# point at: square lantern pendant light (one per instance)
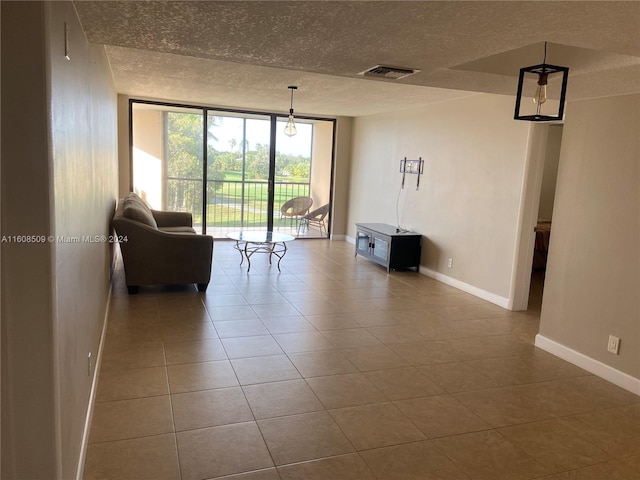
(541, 92)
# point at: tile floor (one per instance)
(335, 370)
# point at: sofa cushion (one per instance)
(135, 209)
(177, 230)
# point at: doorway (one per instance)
(536, 212)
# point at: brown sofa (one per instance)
(160, 248)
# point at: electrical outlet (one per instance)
(450, 263)
(614, 345)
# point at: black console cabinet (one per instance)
(383, 244)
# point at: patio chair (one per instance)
(315, 218)
(295, 209)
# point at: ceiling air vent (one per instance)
(385, 71)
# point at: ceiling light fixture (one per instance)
(290, 128)
(545, 77)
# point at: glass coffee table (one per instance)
(248, 243)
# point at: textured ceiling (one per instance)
(245, 53)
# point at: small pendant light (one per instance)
(541, 74)
(290, 128)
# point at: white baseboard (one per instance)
(589, 364)
(349, 239)
(465, 287)
(94, 387)
(338, 237)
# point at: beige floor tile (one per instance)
(124, 419)
(342, 467)
(352, 337)
(348, 390)
(445, 296)
(396, 333)
(322, 363)
(474, 348)
(132, 356)
(352, 304)
(624, 469)
(182, 316)
(268, 298)
(489, 456)
(134, 383)
(298, 292)
(479, 353)
(555, 446)
(457, 377)
(396, 303)
(419, 460)
(276, 399)
(471, 311)
(558, 398)
(224, 300)
(191, 377)
(210, 408)
(137, 334)
(501, 407)
(401, 383)
(525, 369)
(374, 319)
(220, 286)
(217, 451)
(601, 392)
(441, 416)
(425, 353)
(433, 330)
(333, 321)
(295, 324)
(175, 330)
(240, 328)
(265, 474)
(242, 347)
(616, 430)
(264, 369)
(146, 458)
(231, 312)
(303, 342)
(303, 437)
(194, 351)
(376, 357)
(374, 426)
(276, 310)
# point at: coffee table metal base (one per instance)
(250, 243)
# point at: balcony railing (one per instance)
(230, 204)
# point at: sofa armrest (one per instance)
(172, 219)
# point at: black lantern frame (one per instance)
(549, 71)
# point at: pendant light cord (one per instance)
(291, 106)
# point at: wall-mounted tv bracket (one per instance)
(415, 167)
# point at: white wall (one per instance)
(59, 176)
(468, 203)
(592, 286)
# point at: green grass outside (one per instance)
(223, 208)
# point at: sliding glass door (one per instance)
(232, 170)
(238, 171)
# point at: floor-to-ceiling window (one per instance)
(233, 170)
